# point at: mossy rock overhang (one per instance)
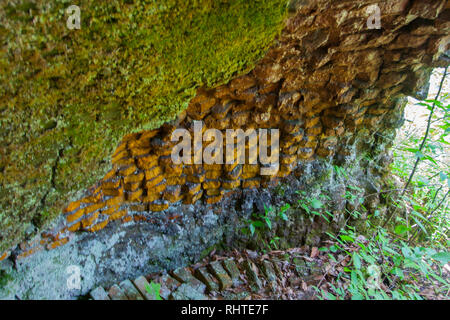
(68, 96)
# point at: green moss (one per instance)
(68, 96)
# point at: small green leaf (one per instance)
(316, 204)
(401, 229)
(443, 257)
(356, 261)
(347, 238)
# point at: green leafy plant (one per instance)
(154, 289)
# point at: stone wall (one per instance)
(330, 84)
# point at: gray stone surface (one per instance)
(252, 271)
(117, 293)
(203, 274)
(99, 294)
(130, 290)
(142, 284)
(168, 285)
(233, 270)
(185, 276)
(220, 273)
(187, 292)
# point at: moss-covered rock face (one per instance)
(68, 96)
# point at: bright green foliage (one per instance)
(383, 268)
(261, 224)
(427, 217)
(154, 289)
(68, 96)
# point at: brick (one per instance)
(220, 111)
(305, 153)
(94, 207)
(250, 173)
(127, 219)
(57, 243)
(203, 275)
(147, 162)
(185, 276)
(110, 210)
(147, 135)
(134, 196)
(171, 181)
(288, 159)
(138, 177)
(72, 206)
(114, 201)
(242, 83)
(89, 220)
(173, 170)
(124, 162)
(267, 269)
(138, 208)
(99, 294)
(213, 174)
(130, 290)
(136, 152)
(325, 152)
(127, 171)
(198, 178)
(314, 131)
(233, 271)
(231, 184)
(220, 273)
(111, 192)
(117, 215)
(172, 194)
(74, 227)
(187, 292)
(74, 216)
(151, 197)
(111, 184)
(117, 293)
(160, 187)
(235, 173)
(152, 173)
(139, 218)
(153, 182)
(222, 92)
(212, 199)
(251, 183)
(190, 199)
(285, 170)
(292, 150)
(193, 169)
(211, 184)
(99, 226)
(121, 147)
(213, 167)
(141, 285)
(158, 206)
(168, 284)
(252, 274)
(120, 155)
(192, 188)
(214, 192)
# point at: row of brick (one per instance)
(203, 283)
